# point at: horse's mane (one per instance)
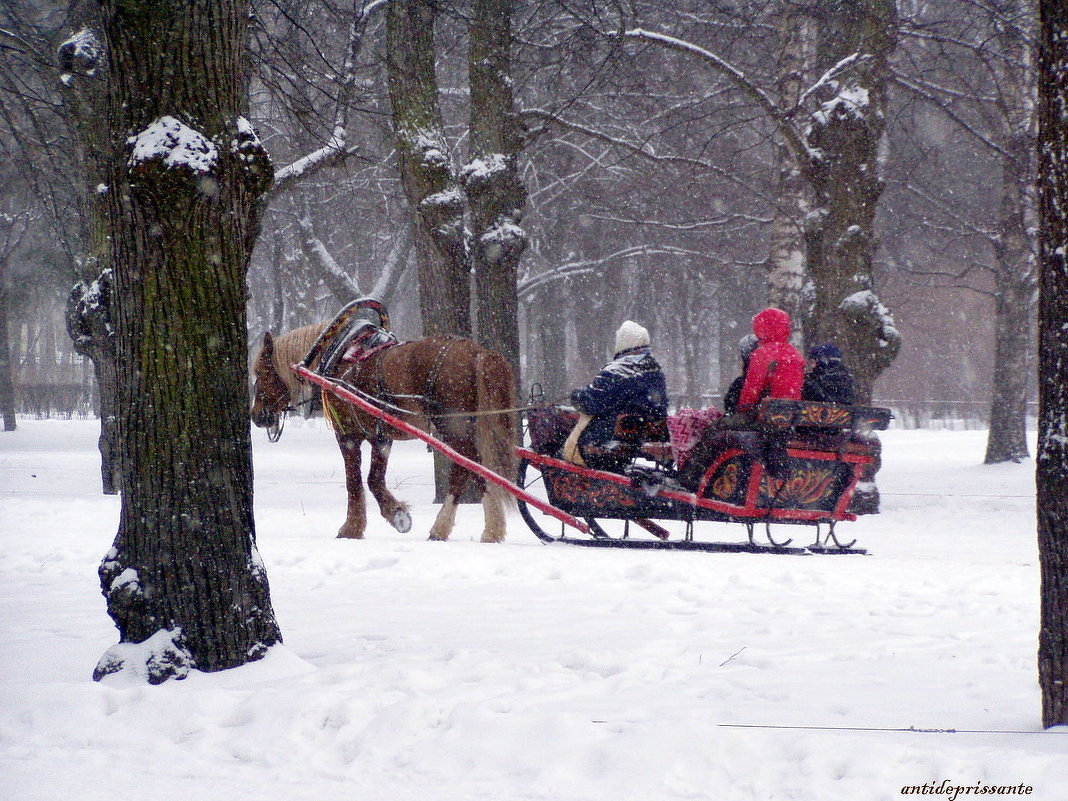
(289, 348)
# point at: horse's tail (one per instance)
(495, 434)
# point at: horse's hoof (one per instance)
(402, 521)
(343, 535)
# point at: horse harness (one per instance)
(367, 344)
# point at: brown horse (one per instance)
(429, 382)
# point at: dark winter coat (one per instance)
(830, 382)
(734, 392)
(632, 383)
(776, 369)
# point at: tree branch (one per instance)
(791, 135)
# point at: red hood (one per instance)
(772, 325)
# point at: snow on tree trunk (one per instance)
(183, 581)
(495, 193)
(1051, 474)
(426, 171)
(90, 329)
(846, 135)
(84, 67)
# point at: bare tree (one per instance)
(838, 153)
(13, 225)
(53, 80)
(1052, 463)
(845, 135)
(427, 173)
(494, 192)
(185, 185)
(975, 69)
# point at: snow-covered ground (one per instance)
(415, 670)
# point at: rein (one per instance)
(385, 404)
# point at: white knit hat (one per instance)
(631, 335)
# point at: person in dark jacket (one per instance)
(746, 346)
(632, 383)
(829, 380)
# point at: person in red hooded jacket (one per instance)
(776, 369)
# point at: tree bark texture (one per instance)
(1014, 248)
(84, 64)
(1014, 320)
(187, 174)
(495, 193)
(429, 180)
(786, 278)
(845, 135)
(90, 329)
(1052, 462)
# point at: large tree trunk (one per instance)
(847, 133)
(1052, 463)
(84, 65)
(1014, 326)
(1014, 249)
(426, 171)
(183, 579)
(430, 184)
(491, 180)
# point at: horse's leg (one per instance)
(493, 512)
(443, 523)
(493, 509)
(395, 511)
(356, 514)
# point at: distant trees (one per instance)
(52, 79)
(334, 227)
(660, 185)
(12, 229)
(969, 77)
(1052, 463)
(185, 180)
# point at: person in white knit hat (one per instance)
(632, 383)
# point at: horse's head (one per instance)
(270, 393)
